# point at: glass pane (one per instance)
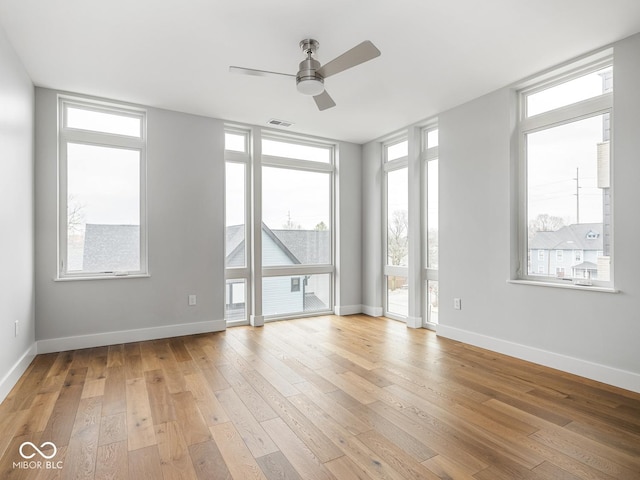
(290, 295)
(296, 214)
(569, 200)
(432, 138)
(397, 295)
(432, 301)
(235, 215)
(397, 150)
(235, 142)
(103, 209)
(397, 217)
(432, 214)
(103, 122)
(576, 90)
(277, 148)
(235, 307)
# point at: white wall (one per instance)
(349, 229)
(589, 333)
(185, 205)
(16, 217)
(372, 229)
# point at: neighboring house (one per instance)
(113, 248)
(285, 294)
(573, 251)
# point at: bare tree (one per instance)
(397, 237)
(545, 223)
(321, 227)
(75, 215)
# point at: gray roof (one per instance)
(111, 248)
(582, 236)
(302, 246)
(586, 266)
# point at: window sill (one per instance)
(587, 288)
(101, 277)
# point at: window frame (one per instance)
(244, 272)
(430, 274)
(564, 115)
(396, 164)
(305, 166)
(67, 135)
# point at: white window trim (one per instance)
(429, 274)
(75, 135)
(560, 116)
(241, 273)
(308, 166)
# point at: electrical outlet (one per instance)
(192, 300)
(17, 327)
(457, 304)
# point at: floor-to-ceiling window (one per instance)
(396, 231)
(279, 214)
(297, 227)
(238, 238)
(429, 155)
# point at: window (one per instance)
(577, 256)
(540, 254)
(565, 129)
(297, 226)
(430, 163)
(102, 210)
(237, 239)
(397, 228)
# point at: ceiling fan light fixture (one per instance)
(310, 86)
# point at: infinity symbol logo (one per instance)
(42, 454)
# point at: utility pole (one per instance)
(577, 195)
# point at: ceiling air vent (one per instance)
(279, 123)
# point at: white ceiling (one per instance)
(175, 54)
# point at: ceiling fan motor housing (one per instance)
(307, 80)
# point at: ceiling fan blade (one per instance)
(361, 53)
(257, 73)
(324, 101)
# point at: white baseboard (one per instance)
(127, 336)
(414, 322)
(256, 320)
(584, 368)
(13, 375)
(347, 309)
(372, 311)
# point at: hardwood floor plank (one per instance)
(192, 424)
(208, 404)
(256, 439)
(343, 467)
(80, 458)
(237, 456)
(275, 466)
(60, 424)
(144, 463)
(208, 462)
(113, 428)
(112, 462)
(174, 454)
(160, 401)
(114, 391)
(140, 432)
(306, 463)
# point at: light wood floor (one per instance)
(320, 398)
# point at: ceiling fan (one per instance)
(311, 75)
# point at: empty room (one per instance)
(320, 240)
